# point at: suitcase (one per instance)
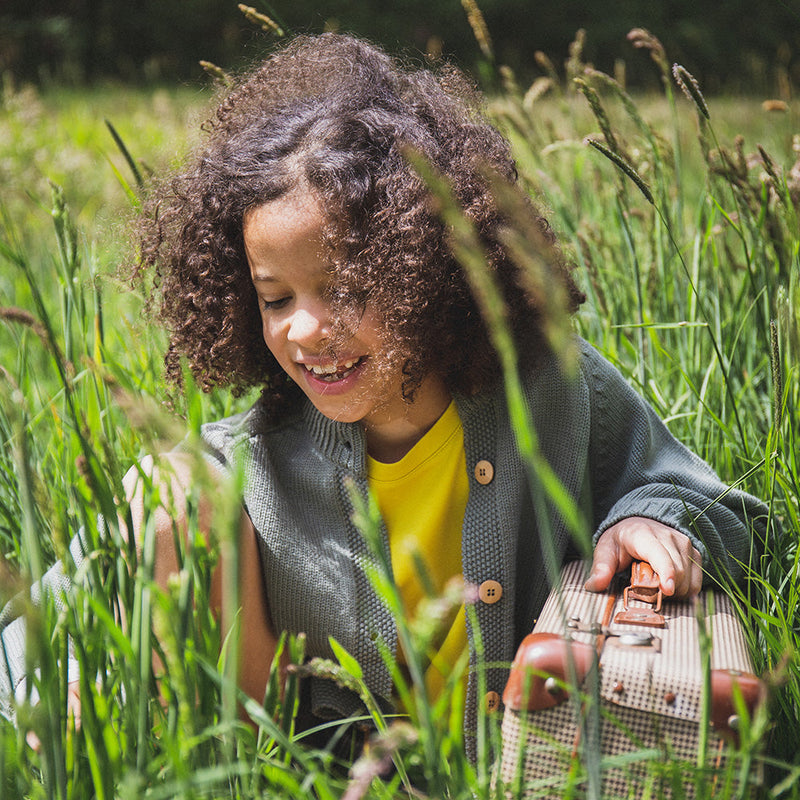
(650, 681)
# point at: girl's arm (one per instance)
(258, 642)
(653, 498)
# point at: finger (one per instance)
(678, 564)
(678, 552)
(640, 543)
(695, 574)
(686, 562)
(605, 562)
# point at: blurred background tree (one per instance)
(735, 45)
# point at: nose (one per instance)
(308, 326)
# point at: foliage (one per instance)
(684, 228)
(734, 45)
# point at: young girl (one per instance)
(301, 253)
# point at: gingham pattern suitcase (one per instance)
(650, 680)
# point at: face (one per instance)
(354, 380)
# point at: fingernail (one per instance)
(669, 586)
(595, 579)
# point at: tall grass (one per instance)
(689, 251)
(686, 240)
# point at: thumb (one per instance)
(603, 570)
(605, 562)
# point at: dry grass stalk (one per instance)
(267, 24)
(479, 28)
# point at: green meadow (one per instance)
(682, 215)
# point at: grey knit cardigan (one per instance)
(609, 449)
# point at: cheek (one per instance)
(270, 336)
(370, 330)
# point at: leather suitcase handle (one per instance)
(643, 574)
(645, 585)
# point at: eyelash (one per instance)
(272, 305)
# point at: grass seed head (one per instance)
(543, 60)
(691, 88)
(510, 84)
(575, 64)
(777, 374)
(267, 24)
(479, 28)
(599, 112)
(25, 318)
(537, 89)
(772, 175)
(216, 72)
(624, 166)
(642, 39)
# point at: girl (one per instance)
(301, 253)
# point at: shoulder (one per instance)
(608, 386)
(569, 372)
(594, 366)
(578, 387)
(226, 437)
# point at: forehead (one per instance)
(294, 216)
(284, 240)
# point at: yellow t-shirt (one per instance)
(422, 499)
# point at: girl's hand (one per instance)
(669, 552)
(73, 710)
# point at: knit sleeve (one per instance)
(640, 469)
(224, 439)
(56, 585)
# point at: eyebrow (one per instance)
(264, 279)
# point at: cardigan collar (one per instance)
(345, 443)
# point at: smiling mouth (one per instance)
(335, 372)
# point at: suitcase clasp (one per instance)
(645, 586)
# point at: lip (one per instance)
(319, 386)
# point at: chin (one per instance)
(347, 415)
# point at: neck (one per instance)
(391, 438)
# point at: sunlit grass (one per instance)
(683, 293)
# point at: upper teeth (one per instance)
(332, 368)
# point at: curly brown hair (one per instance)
(337, 114)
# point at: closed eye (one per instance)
(273, 305)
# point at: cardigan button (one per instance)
(490, 592)
(491, 701)
(484, 472)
